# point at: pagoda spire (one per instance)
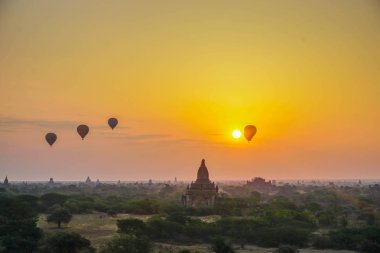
(203, 172)
(6, 182)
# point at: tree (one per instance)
(128, 243)
(18, 226)
(370, 247)
(67, 243)
(131, 226)
(59, 216)
(50, 199)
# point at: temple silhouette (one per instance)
(6, 182)
(202, 191)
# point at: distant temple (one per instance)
(260, 184)
(6, 183)
(202, 191)
(88, 180)
(51, 181)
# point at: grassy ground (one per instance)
(99, 228)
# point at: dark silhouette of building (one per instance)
(6, 182)
(88, 180)
(202, 191)
(259, 184)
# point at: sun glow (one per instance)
(236, 134)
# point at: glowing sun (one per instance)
(236, 134)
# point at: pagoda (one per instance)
(6, 182)
(202, 191)
(88, 180)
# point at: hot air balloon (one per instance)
(249, 132)
(112, 122)
(51, 138)
(83, 130)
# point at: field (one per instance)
(99, 228)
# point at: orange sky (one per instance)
(180, 76)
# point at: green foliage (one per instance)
(352, 238)
(343, 221)
(184, 251)
(59, 216)
(131, 226)
(370, 247)
(79, 205)
(18, 226)
(49, 199)
(66, 243)
(287, 249)
(222, 245)
(179, 228)
(327, 219)
(127, 243)
(322, 242)
(274, 236)
(144, 206)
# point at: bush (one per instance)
(127, 243)
(67, 243)
(272, 237)
(222, 245)
(287, 249)
(18, 226)
(370, 247)
(131, 226)
(322, 242)
(184, 251)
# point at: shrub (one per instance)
(287, 249)
(128, 243)
(67, 243)
(322, 242)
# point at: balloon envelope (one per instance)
(51, 138)
(249, 132)
(112, 122)
(83, 130)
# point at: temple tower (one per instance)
(6, 182)
(202, 191)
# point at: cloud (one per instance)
(147, 136)
(11, 124)
(215, 134)
(7, 123)
(135, 137)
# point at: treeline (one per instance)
(19, 232)
(350, 218)
(179, 228)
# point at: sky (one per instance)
(180, 76)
